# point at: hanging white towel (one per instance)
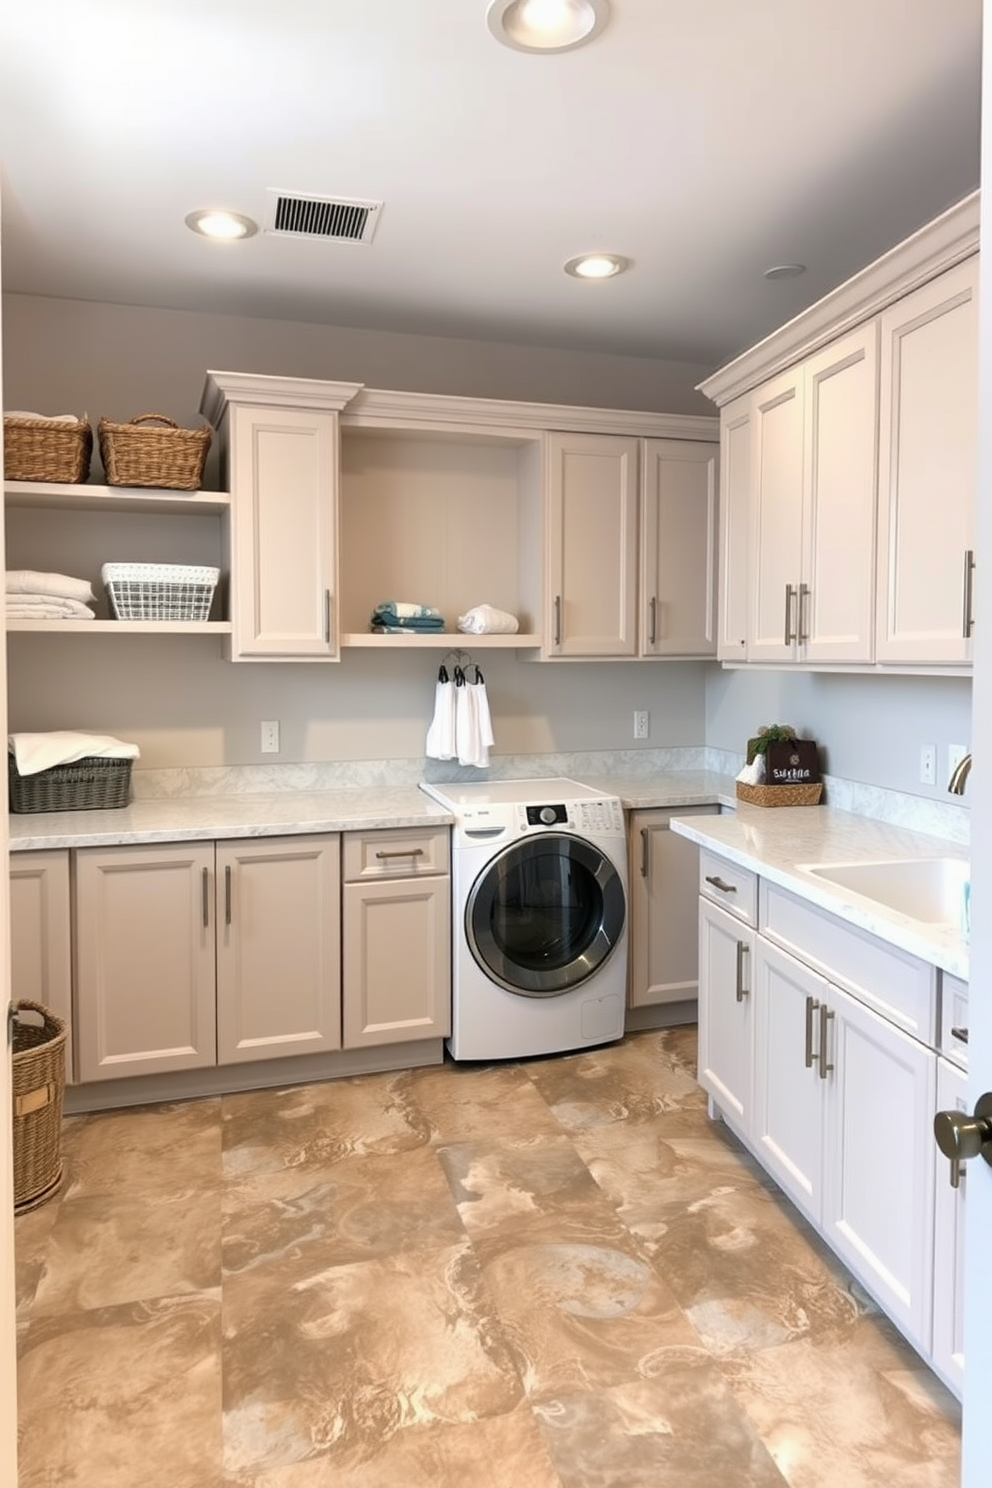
(473, 725)
(487, 620)
(441, 733)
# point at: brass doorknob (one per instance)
(960, 1137)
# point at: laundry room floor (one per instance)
(555, 1273)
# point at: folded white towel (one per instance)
(754, 773)
(41, 607)
(61, 586)
(485, 619)
(34, 752)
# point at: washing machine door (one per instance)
(545, 914)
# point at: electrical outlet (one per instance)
(955, 754)
(928, 764)
(270, 737)
(642, 725)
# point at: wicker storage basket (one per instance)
(90, 784)
(46, 449)
(38, 1069)
(780, 795)
(159, 591)
(152, 450)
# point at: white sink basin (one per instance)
(923, 888)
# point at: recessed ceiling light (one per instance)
(785, 271)
(223, 225)
(546, 25)
(596, 265)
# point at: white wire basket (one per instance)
(159, 591)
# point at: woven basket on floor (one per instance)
(46, 449)
(152, 450)
(780, 795)
(38, 1088)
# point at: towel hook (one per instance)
(459, 658)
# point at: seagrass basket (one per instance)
(152, 450)
(38, 1067)
(47, 449)
(780, 795)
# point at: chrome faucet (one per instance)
(959, 775)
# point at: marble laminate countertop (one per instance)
(780, 843)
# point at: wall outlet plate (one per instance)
(928, 764)
(955, 754)
(642, 724)
(270, 737)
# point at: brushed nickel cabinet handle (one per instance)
(402, 852)
(227, 895)
(718, 883)
(968, 623)
(653, 622)
(205, 883)
(644, 852)
(327, 616)
(790, 594)
(961, 1034)
(804, 594)
(742, 950)
(826, 1015)
(811, 1006)
(557, 619)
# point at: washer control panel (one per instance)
(595, 818)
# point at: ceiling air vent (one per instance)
(335, 219)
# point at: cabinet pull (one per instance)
(718, 883)
(327, 616)
(227, 895)
(644, 852)
(811, 1006)
(961, 1034)
(826, 1067)
(557, 619)
(205, 884)
(402, 852)
(742, 950)
(968, 619)
(790, 594)
(804, 594)
(653, 622)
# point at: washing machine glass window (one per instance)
(545, 914)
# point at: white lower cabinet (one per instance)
(837, 1100)
(948, 1241)
(662, 874)
(40, 954)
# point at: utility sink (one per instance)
(922, 888)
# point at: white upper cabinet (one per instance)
(927, 471)
(678, 548)
(813, 520)
(735, 515)
(591, 545)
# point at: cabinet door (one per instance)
(735, 518)
(880, 1159)
(284, 466)
(776, 519)
(726, 1035)
(837, 584)
(592, 545)
(397, 961)
(927, 470)
(789, 1084)
(948, 1245)
(144, 940)
(40, 954)
(278, 947)
(664, 943)
(678, 548)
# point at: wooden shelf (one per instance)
(55, 496)
(122, 627)
(444, 640)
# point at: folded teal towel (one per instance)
(390, 611)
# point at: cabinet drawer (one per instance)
(898, 986)
(727, 884)
(395, 854)
(954, 1019)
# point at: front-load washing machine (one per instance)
(539, 917)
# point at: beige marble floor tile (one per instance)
(162, 1151)
(318, 1125)
(496, 1452)
(359, 1208)
(122, 1396)
(461, 1102)
(638, 1079)
(334, 1362)
(107, 1250)
(31, 1235)
(678, 1427)
(861, 1411)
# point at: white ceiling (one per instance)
(703, 139)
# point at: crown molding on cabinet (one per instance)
(256, 390)
(379, 408)
(939, 245)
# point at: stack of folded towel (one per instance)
(47, 596)
(36, 752)
(397, 617)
